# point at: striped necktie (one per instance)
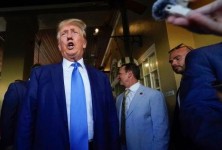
(123, 118)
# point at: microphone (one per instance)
(162, 8)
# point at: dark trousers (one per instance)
(90, 145)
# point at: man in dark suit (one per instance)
(177, 57)
(11, 106)
(142, 113)
(44, 122)
(201, 109)
(9, 114)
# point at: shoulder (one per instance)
(95, 72)
(150, 93)
(209, 49)
(19, 83)
(48, 66)
(151, 96)
(45, 69)
(206, 56)
(148, 89)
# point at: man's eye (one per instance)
(63, 34)
(177, 58)
(75, 32)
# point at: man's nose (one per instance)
(173, 63)
(69, 35)
(69, 38)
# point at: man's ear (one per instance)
(59, 47)
(85, 43)
(130, 74)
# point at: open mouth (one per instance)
(70, 45)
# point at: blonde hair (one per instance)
(77, 22)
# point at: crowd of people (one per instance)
(38, 114)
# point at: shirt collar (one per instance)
(134, 87)
(66, 63)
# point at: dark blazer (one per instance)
(43, 122)
(201, 110)
(9, 114)
(177, 141)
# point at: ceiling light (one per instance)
(96, 31)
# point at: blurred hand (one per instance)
(204, 20)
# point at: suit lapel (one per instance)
(137, 97)
(58, 83)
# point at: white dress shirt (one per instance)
(67, 75)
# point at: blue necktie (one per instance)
(78, 115)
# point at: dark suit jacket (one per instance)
(43, 123)
(9, 114)
(177, 141)
(201, 110)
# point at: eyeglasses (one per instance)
(180, 46)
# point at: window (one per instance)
(149, 74)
